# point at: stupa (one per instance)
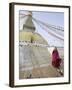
(34, 59)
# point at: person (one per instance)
(29, 76)
(56, 60)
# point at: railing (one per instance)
(23, 43)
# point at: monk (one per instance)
(56, 60)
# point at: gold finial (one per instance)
(30, 13)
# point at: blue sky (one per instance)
(55, 18)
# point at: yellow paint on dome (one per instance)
(25, 36)
(32, 37)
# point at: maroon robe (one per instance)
(56, 60)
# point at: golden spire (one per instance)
(30, 13)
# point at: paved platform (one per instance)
(42, 72)
(35, 62)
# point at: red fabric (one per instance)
(56, 60)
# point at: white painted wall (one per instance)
(4, 44)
